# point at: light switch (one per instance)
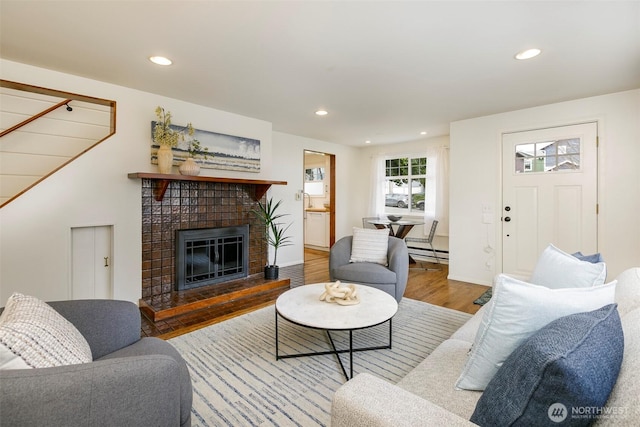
(487, 218)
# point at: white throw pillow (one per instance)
(370, 245)
(9, 360)
(557, 269)
(39, 335)
(515, 312)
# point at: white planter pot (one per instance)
(165, 159)
(189, 167)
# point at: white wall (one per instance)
(288, 157)
(35, 229)
(475, 149)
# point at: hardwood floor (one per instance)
(434, 287)
(426, 284)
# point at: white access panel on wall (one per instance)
(91, 262)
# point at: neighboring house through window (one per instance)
(548, 156)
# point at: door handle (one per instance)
(106, 261)
(507, 219)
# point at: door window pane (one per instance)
(548, 156)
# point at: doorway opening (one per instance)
(318, 200)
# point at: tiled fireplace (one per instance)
(192, 205)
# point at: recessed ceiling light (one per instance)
(160, 60)
(367, 142)
(321, 113)
(423, 133)
(528, 54)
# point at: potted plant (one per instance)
(167, 137)
(274, 233)
(195, 149)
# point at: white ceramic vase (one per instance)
(165, 159)
(189, 167)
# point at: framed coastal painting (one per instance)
(218, 150)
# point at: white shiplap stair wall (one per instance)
(34, 151)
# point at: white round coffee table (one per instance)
(302, 306)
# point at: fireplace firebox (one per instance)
(207, 256)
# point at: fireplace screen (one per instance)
(211, 255)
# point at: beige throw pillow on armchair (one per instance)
(370, 245)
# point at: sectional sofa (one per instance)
(428, 394)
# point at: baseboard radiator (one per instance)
(425, 254)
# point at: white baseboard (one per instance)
(469, 280)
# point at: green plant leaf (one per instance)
(274, 230)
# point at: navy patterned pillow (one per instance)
(562, 373)
(592, 258)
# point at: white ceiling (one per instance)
(385, 70)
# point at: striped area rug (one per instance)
(238, 382)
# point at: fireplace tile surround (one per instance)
(189, 205)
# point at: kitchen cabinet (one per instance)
(316, 232)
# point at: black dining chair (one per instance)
(366, 223)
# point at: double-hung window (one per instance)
(405, 184)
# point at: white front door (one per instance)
(549, 193)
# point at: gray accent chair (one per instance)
(131, 381)
(392, 279)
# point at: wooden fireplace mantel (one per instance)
(161, 182)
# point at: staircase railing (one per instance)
(67, 98)
(35, 117)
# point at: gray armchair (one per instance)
(132, 381)
(392, 279)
